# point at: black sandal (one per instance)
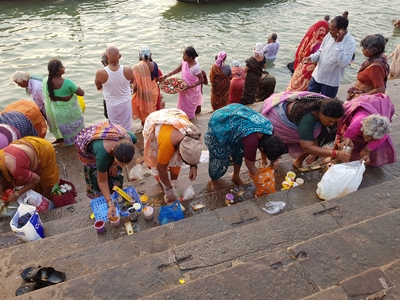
(48, 275)
(31, 286)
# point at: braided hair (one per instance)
(53, 67)
(329, 107)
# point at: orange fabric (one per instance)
(144, 100)
(165, 148)
(32, 112)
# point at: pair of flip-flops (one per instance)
(40, 277)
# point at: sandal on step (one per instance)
(31, 286)
(302, 169)
(47, 275)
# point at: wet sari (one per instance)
(236, 85)
(220, 85)
(251, 81)
(308, 45)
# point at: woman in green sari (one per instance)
(64, 114)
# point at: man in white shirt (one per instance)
(115, 81)
(272, 47)
(333, 57)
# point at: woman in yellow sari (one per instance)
(29, 162)
(144, 99)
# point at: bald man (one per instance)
(115, 81)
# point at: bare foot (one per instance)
(237, 180)
(215, 185)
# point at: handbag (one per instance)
(170, 213)
(66, 198)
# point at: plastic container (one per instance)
(148, 212)
(100, 226)
(144, 199)
(291, 175)
(132, 214)
(138, 207)
(115, 221)
(229, 199)
(348, 149)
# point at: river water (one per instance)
(77, 31)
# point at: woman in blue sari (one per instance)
(238, 131)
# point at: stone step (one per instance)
(214, 247)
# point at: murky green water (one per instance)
(32, 32)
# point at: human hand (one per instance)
(343, 155)
(169, 195)
(274, 165)
(113, 170)
(162, 78)
(340, 35)
(112, 210)
(365, 155)
(193, 173)
(306, 60)
(346, 142)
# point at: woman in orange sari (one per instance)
(144, 99)
(220, 77)
(308, 45)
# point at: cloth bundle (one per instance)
(264, 181)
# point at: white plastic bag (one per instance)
(33, 229)
(183, 189)
(273, 207)
(340, 180)
(139, 172)
(37, 200)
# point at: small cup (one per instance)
(115, 220)
(144, 199)
(287, 185)
(291, 175)
(300, 181)
(229, 199)
(148, 212)
(99, 225)
(137, 207)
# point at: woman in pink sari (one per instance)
(365, 127)
(309, 44)
(191, 97)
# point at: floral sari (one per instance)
(220, 85)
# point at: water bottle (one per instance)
(348, 149)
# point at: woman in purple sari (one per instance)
(365, 127)
(191, 97)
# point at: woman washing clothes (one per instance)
(365, 128)
(146, 91)
(170, 140)
(297, 118)
(253, 70)
(64, 114)
(236, 131)
(373, 73)
(220, 78)
(29, 162)
(103, 149)
(191, 97)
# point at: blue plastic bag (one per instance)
(170, 213)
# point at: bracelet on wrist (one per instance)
(334, 153)
(109, 203)
(168, 188)
(193, 166)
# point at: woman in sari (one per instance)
(309, 44)
(220, 78)
(373, 73)
(297, 118)
(191, 97)
(64, 114)
(365, 127)
(103, 149)
(238, 131)
(266, 87)
(146, 91)
(29, 162)
(24, 114)
(170, 140)
(253, 70)
(237, 83)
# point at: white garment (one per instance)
(117, 93)
(333, 58)
(271, 50)
(35, 89)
